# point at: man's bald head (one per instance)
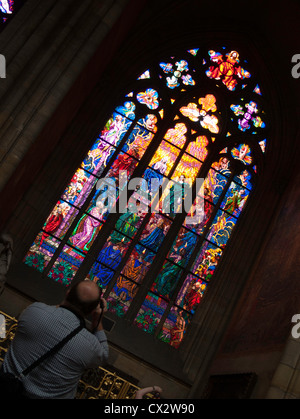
(84, 296)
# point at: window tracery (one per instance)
(197, 115)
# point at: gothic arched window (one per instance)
(136, 217)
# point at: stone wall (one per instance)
(55, 64)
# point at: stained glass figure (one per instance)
(121, 296)
(6, 6)
(175, 327)
(191, 294)
(88, 227)
(226, 69)
(7, 9)
(206, 262)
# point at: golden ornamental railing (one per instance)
(98, 383)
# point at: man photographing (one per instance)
(41, 327)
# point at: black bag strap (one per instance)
(56, 348)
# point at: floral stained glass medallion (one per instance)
(195, 115)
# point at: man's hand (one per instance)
(97, 315)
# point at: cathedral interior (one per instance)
(205, 314)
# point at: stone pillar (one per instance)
(285, 383)
(6, 252)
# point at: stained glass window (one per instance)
(196, 116)
(8, 8)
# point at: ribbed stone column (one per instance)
(286, 380)
(46, 46)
